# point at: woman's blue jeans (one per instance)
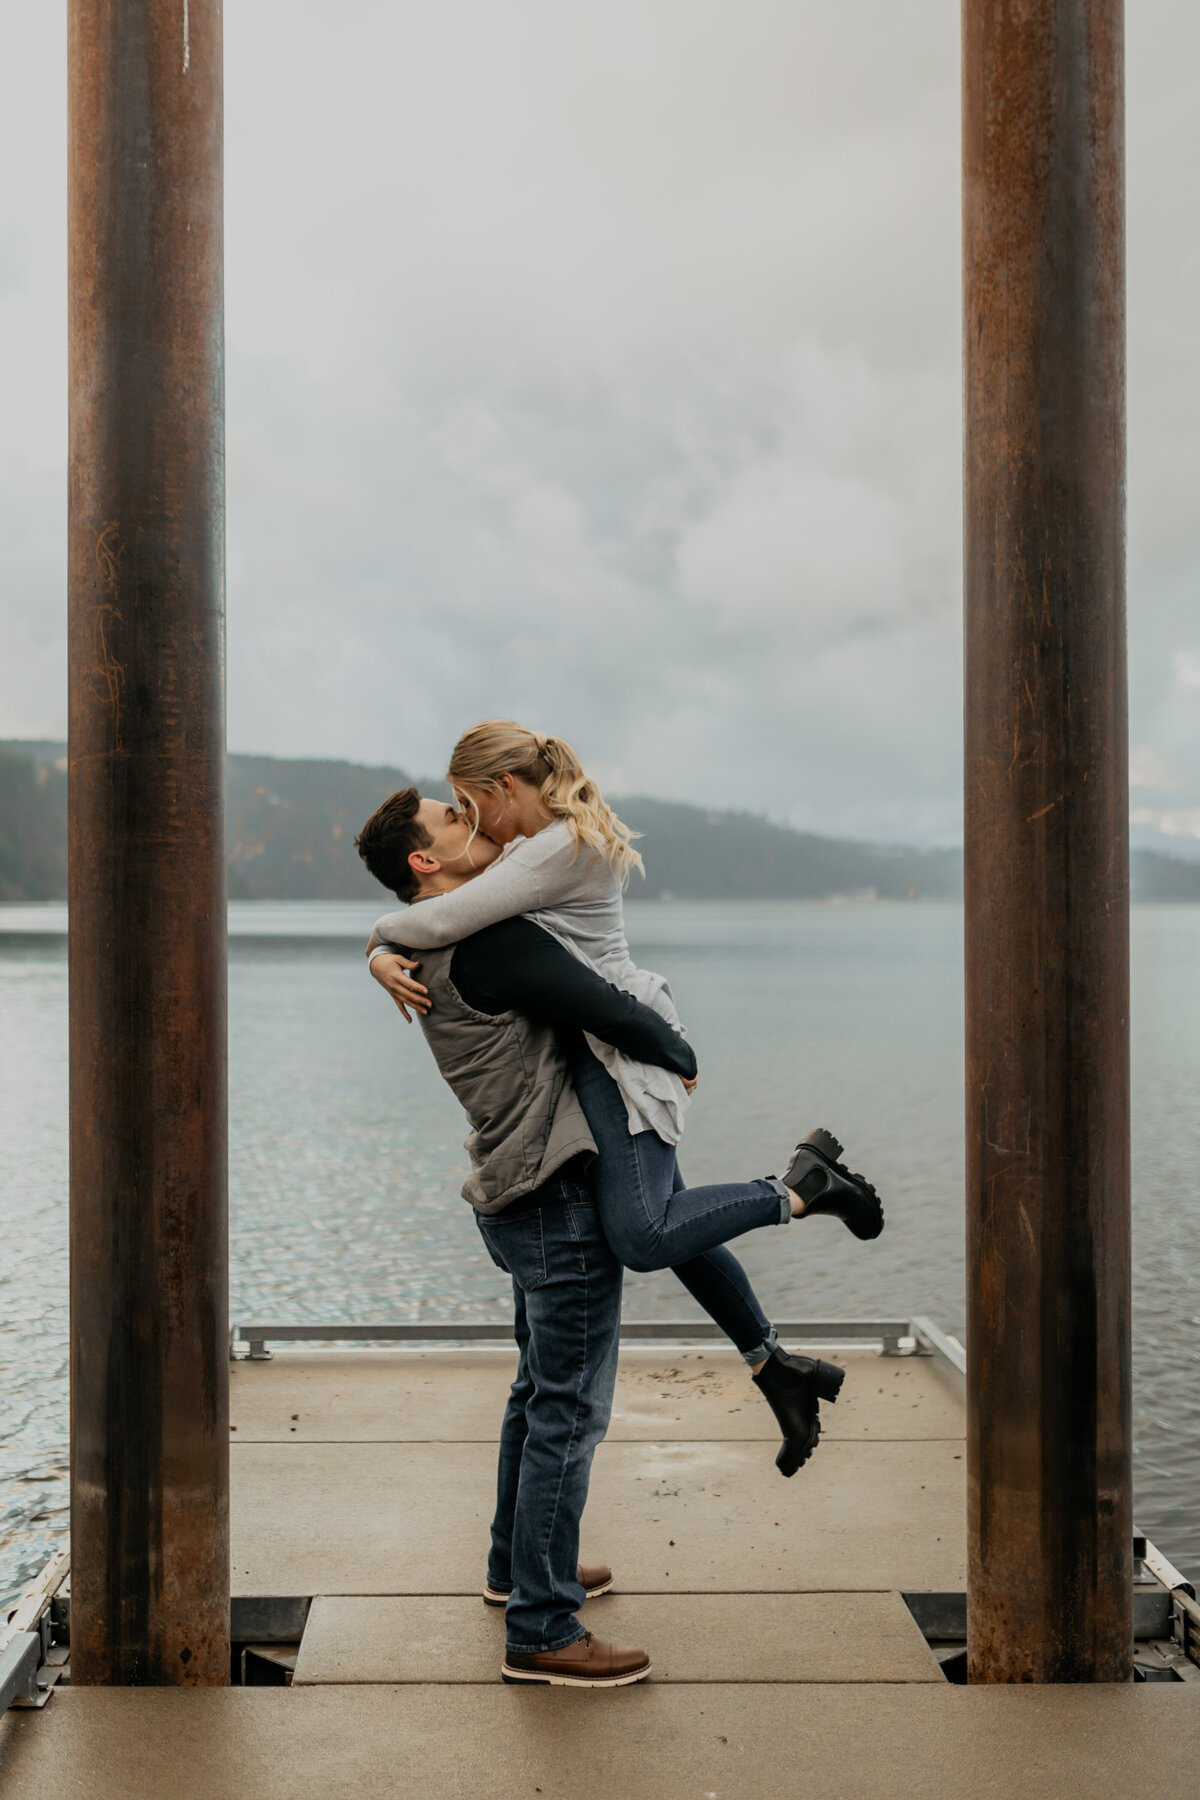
(653, 1221)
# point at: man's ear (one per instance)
(422, 863)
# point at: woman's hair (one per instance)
(499, 747)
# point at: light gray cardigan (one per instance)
(577, 898)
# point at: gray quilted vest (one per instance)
(511, 1077)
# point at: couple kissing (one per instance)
(574, 1072)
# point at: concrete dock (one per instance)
(786, 1660)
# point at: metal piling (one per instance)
(1047, 884)
(149, 1372)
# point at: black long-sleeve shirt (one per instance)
(515, 966)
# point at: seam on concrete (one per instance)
(303, 1443)
(624, 1593)
(717, 1681)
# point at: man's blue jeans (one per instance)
(653, 1221)
(567, 1289)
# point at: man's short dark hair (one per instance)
(388, 839)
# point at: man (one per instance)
(503, 1006)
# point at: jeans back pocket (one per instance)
(516, 1246)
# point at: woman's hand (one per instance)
(389, 972)
(689, 1086)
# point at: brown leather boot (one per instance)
(588, 1663)
(594, 1578)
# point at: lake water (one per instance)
(346, 1155)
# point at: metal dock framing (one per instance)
(787, 1620)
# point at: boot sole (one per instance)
(825, 1144)
(493, 1596)
(789, 1460)
(542, 1678)
(829, 1150)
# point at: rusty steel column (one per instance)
(1047, 894)
(149, 1370)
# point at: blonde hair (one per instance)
(500, 747)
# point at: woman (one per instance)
(566, 862)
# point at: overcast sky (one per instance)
(598, 365)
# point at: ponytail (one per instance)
(500, 747)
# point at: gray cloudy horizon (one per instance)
(600, 367)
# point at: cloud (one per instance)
(795, 547)
(1172, 822)
(819, 532)
(600, 366)
(1148, 769)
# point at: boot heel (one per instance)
(824, 1143)
(829, 1381)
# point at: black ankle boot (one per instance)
(826, 1186)
(791, 1387)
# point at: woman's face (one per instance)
(494, 810)
(510, 810)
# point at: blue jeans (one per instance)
(567, 1290)
(653, 1221)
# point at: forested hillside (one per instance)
(291, 827)
(33, 828)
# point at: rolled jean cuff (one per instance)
(785, 1199)
(769, 1343)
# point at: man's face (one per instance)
(458, 854)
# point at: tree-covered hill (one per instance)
(33, 828)
(291, 827)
